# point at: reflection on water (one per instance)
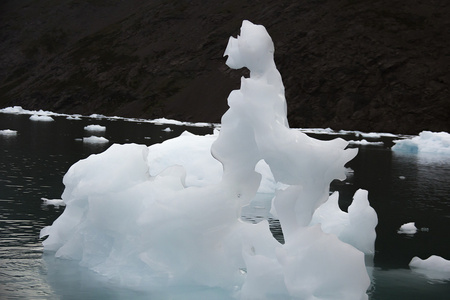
(402, 188)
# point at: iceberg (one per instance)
(94, 127)
(41, 118)
(95, 140)
(408, 228)
(434, 267)
(8, 132)
(425, 142)
(54, 202)
(169, 215)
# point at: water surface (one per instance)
(402, 188)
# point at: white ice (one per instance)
(425, 142)
(95, 127)
(434, 267)
(8, 132)
(169, 215)
(356, 227)
(74, 117)
(21, 111)
(42, 118)
(54, 202)
(408, 228)
(95, 140)
(365, 142)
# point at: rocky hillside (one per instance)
(346, 64)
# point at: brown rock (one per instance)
(362, 65)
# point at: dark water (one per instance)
(402, 188)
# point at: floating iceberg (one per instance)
(434, 267)
(74, 117)
(151, 218)
(94, 127)
(433, 262)
(41, 118)
(95, 140)
(408, 228)
(8, 132)
(20, 111)
(54, 202)
(12, 110)
(365, 142)
(425, 142)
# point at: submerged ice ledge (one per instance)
(147, 216)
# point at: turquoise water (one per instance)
(402, 188)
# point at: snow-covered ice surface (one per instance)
(425, 142)
(434, 267)
(147, 217)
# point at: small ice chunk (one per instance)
(434, 262)
(97, 116)
(8, 132)
(74, 117)
(12, 110)
(162, 121)
(41, 118)
(435, 268)
(95, 128)
(95, 140)
(408, 228)
(167, 129)
(365, 142)
(372, 135)
(54, 202)
(402, 177)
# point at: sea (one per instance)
(403, 188)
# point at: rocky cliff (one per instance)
(346, 64)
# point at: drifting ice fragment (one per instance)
(41, 118)
(95, 128)
(425, 142)
(408, 228)
(95, 140)
(8, 132)
(54, 202)
(74, 117)
(433, 262)
(434, 267)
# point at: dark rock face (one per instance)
(346, 64)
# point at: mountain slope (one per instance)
(361, 65)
